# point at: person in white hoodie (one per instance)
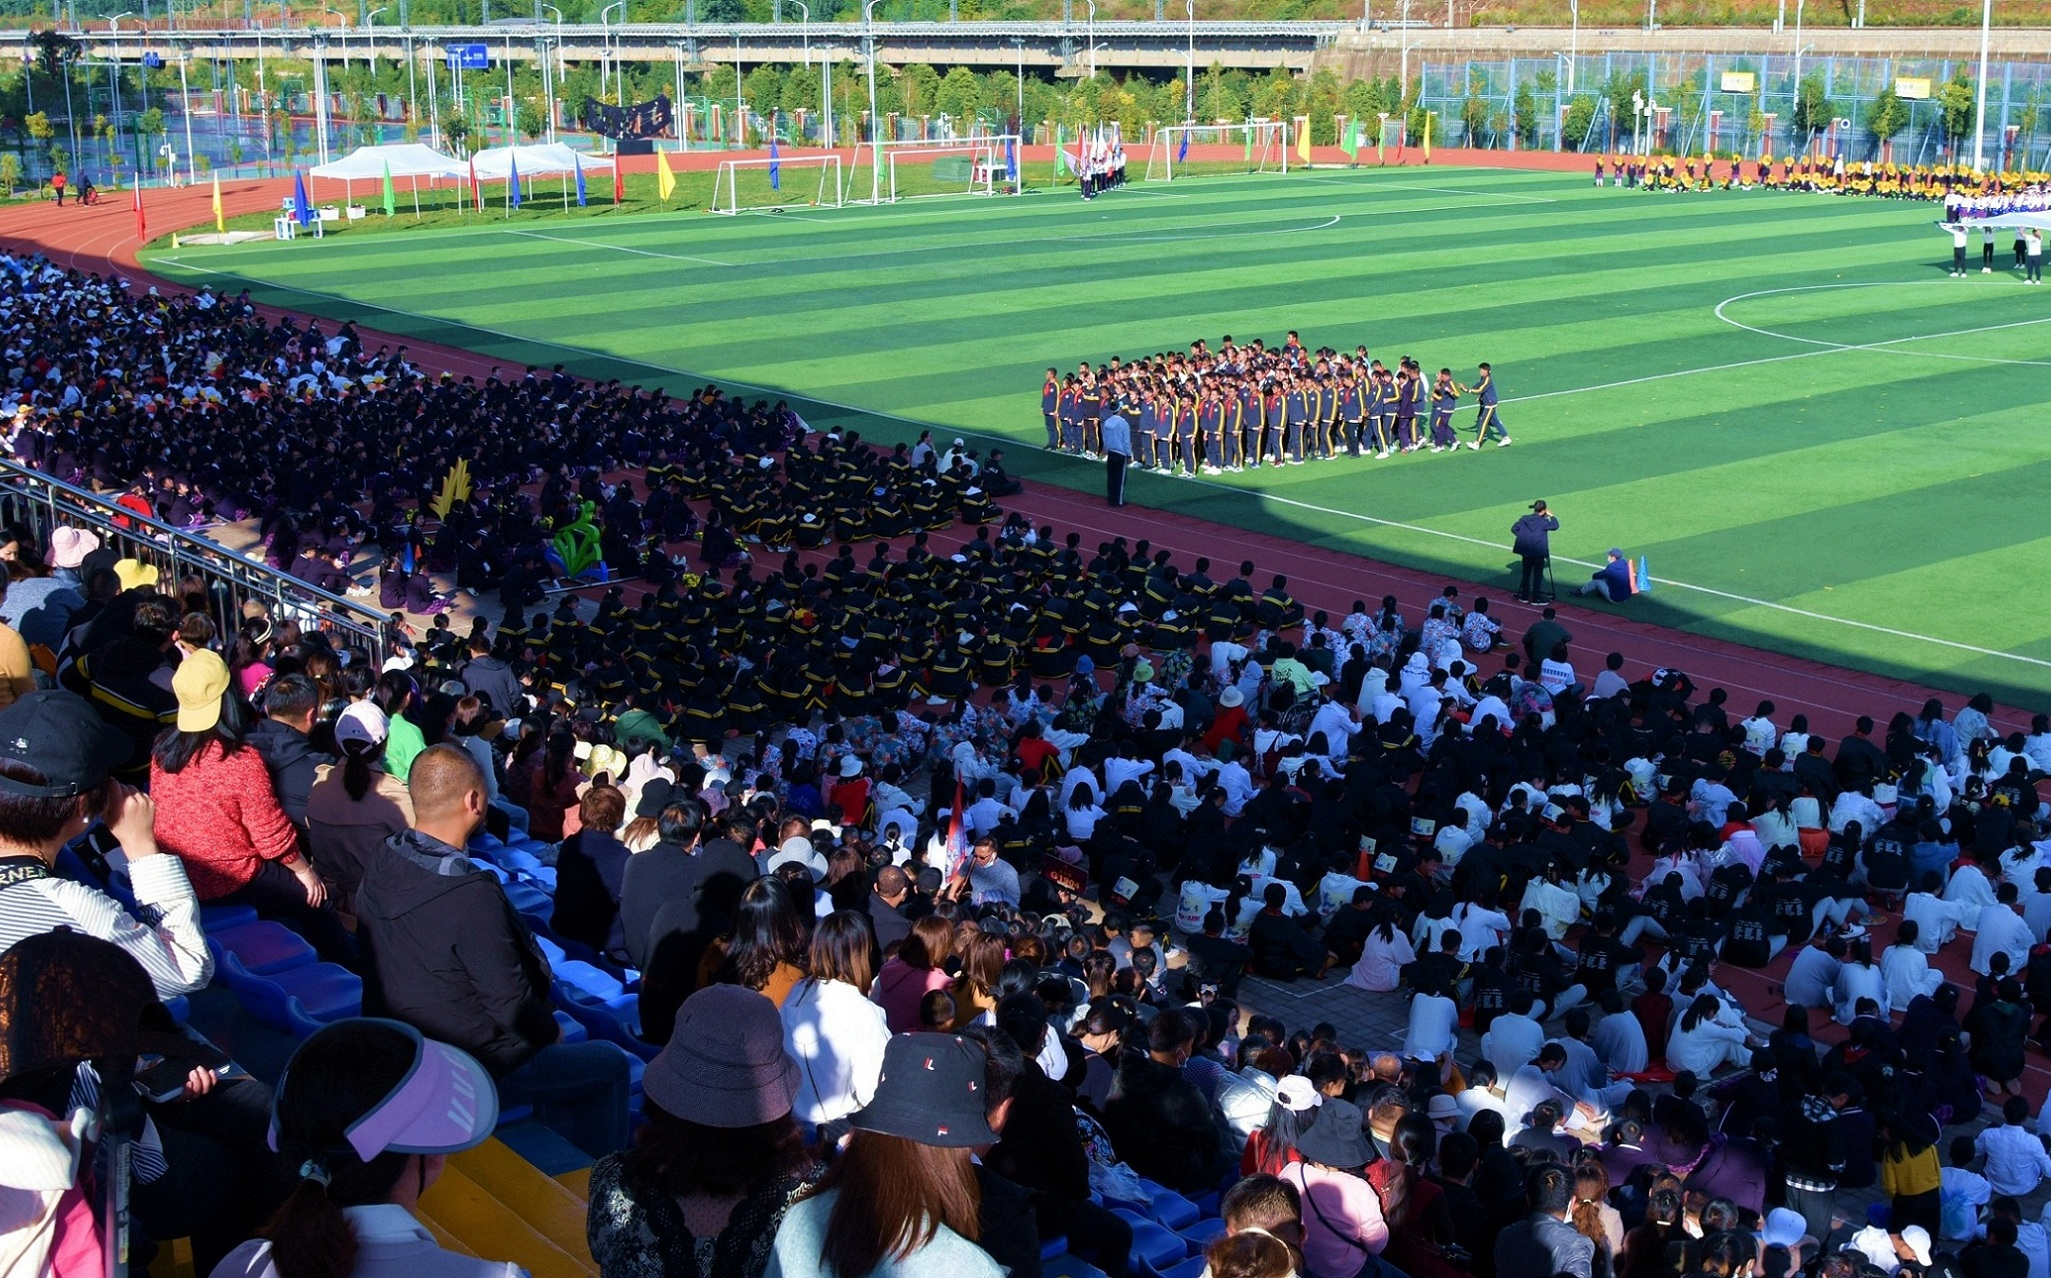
(1905, 970)
(831, 1029)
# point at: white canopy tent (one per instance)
(397, 160)
(550, 159)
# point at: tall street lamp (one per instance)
(869, 35)
(1980, 97)
(1189, 90)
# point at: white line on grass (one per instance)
(617, 248)
(1881, 346)
(1512, 196)
(1260, 494)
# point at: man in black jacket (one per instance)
(1041, 1149)
(1533, 544)
(1158, 1121)
(290, 703)
(445, 952)
(1543, 1244)
(694, 903)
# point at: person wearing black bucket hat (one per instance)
(1343, 1226)
(720, 1159)
(901, 1202)
(55, 756)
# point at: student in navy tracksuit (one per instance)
(1146, 431)
(1351, 410)
(1050, 407)
(1296, 411)
(1408, 391)
(1445, 396)
(1210, 424)
(1487, 423)
(1273, 416)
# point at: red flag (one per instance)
(142, 223)
(476, 188)
(619, 182)
(957, 837)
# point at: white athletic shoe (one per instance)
(1383, 455)
(1212, 470)
(1986, 270)
(1504, 442)
(1437, 448)
(1475, 445)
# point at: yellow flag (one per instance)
(1303, 142)
(1427, 135)
(220, 222)
(665, 181)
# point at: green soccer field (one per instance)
(1822, 442)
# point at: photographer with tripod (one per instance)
(1533, 544)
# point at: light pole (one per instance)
(558, 61)
(1093, 37)
(114, 79)
(1652, 15)
(605, 38)
(1799, 4)
(1980, 95)
(1019, 41)
(1573, 40)
(869, 36)
(1189, 90)
(185, 109)
(804, 36)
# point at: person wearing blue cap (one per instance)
(1614, 581)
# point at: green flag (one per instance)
(1350, 144)
(1249, 146)
(391, 201)
(1061, 164)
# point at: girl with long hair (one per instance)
(1272, 1146)
(354, 805)
(218, 812)
(1420, 1222)
(830, 1027)
(1593, 1216)
(768, 948)
(919, 968)
(975, 990)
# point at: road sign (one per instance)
(153, 60)
(468, 57)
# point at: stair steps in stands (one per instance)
(494, 1204)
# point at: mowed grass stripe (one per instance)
(1777, 479)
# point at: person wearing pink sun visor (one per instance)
(366, 1115)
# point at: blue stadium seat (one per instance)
(295, 1000)
(572, 1032)
(1172, 1210)
(596, 983)
(1052, 1247)
(223, 915)
(263, 948)
(1070, 1265)
(528, 899)
(1203, 1233)
(1153, 1246)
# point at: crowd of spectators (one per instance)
(939, 872)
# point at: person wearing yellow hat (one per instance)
(217, 812)
(135, 574)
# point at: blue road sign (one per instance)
(468, 57)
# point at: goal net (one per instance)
(916, 169)
(1394, 135)
(1256, 146)
(788, 182)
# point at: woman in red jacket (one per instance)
(217, 812)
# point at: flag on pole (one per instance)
(1010, 160)
(1182, 148)
(391, 199)
(775, 168)
(476, 187)
(142, 223)
(665, 181)
(302, 208)
(619, 182)
(578, 160)
(1061, 159)
(1427, 136)
(1303, 142)
(1350, 144)
(220, 221)
(957, 845)
(1249, 146)
(512, 183)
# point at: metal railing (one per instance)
(39, 504)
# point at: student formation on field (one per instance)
(1827, 175)
(928, 866)
(1246, 405)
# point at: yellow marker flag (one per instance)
(220, 221)
(1427, 135)
(665, 181)
(1303, 142)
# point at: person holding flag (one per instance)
(983, 878)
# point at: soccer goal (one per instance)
(761, 186)
(1393, 135)
(1256, 146)
(914, 169)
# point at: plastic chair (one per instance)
(1153, 1246)
(572, 1032)
(292, 1001)
(528, 899)
(262, 948)
(224, 915)
(1173, 1211)
(1052, 1247)
(1203, 1233)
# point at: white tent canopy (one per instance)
(496, 164)
(400, 159)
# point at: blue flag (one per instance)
(1010, 160)
(775, 168)
(578, 160)
(302, 208)
(513, 186)
(1182, 151)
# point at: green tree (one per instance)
(721, 11)
(457, 130)
(10, 172)
(1813, 110)
(531, 120)
(959, 97)
(1323, 100)
(1887, 116)
(1217, 98)
(1580, 116)
(1525, 107)
(1955, 104)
